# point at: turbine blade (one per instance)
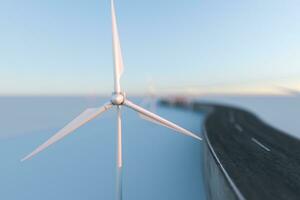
(289, 91)
(79, 121)
(118, 60)
(159, 120)
(145, 117)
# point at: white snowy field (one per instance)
(280, 111)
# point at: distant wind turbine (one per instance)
(118, 100)
(150, 100)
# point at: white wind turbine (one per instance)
(150, 99)
(118, 100)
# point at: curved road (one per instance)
(263, 162)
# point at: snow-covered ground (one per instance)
(280, 111)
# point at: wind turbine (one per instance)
(150, 99)
(117, 100)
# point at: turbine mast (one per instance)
(119, 155)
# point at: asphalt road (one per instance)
(264, 163)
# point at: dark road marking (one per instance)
(260, 144)
(238, 127)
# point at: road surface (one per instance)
(263, 163)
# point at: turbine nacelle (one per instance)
(117, 99)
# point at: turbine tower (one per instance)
(117, 100)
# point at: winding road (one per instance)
(263, 162)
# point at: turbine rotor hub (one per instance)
(117, 99)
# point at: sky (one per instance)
(63, 47)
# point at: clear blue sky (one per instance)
(64, 46)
